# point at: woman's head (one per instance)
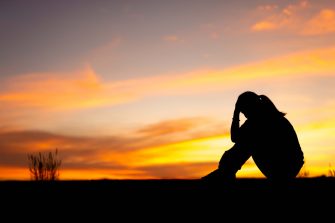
(253, 105)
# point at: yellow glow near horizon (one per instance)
(14, 173)
(198, 150)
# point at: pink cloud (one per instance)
(322, 23)
(172, 38)
(280, 18)
(298, 18)
(264, 25)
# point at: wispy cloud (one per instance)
(322, 23)
(173, 126)
(59, 91)
(275, 17)
(172, 38)
(299, 18)
(120, 156)
(159, 150)
(264, 25)
(85, 89)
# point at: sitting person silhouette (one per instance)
(266, 136)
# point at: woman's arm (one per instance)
(235, 125)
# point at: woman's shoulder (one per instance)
(285, 124)
(285, 120)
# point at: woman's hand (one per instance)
(237, 111)
(235, 125)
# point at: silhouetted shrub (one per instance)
(44, 166)
(331, 171)
(303, 172)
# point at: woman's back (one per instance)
(275, 147)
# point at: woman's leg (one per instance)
(230, 162)
(233, 159)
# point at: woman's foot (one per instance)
(219, 175)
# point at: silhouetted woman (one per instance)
(266, 136)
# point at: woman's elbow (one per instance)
(233, 138)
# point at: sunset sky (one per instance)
(146, 89)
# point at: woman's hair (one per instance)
(268, 106)
(247, 98)
(265, 105)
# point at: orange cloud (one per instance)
(173, 126)
(289, 17)
(86, 90)
(264, 25)
(140, 158)
(160, 150)
(298, 18)
(322, 23)
(112, 156)
(59, 91)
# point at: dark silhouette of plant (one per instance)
(44, 166)
(331, 171)
(303, 173)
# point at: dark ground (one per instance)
(303, 198)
